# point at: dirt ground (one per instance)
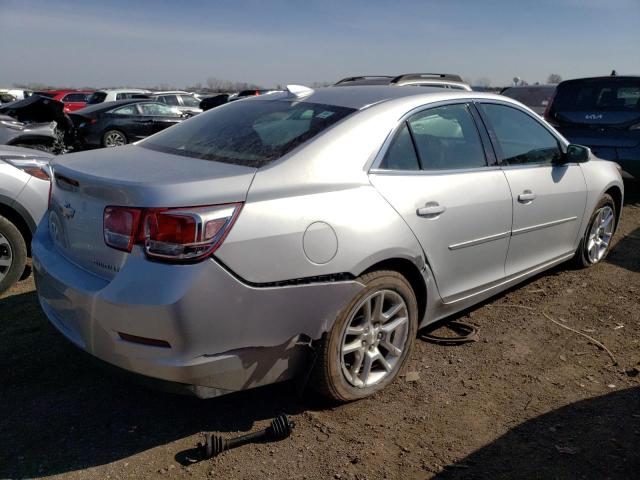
(528, 400)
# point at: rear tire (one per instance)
(370, 341)
(114, 138)
(13, 254)
(596, 242)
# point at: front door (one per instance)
(435, 174)
(548, 198)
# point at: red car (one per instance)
(73, 99)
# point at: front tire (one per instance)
(13, 254)
(370, 341)
(596, 242)
(113, 138)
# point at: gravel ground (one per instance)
(528, 400)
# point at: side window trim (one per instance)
(562, 144)
(413, 144)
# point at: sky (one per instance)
(77, 43)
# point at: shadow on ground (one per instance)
(53, 398)
(583, 440)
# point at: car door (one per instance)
(131, 121)
(74, 101)
(549, 197)
(435, 173)
(161, 116)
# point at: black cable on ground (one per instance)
(465, 333)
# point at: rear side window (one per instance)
(170, 99)
(401, 155)
(157, 109)
(75, 97)
(249, 133)
(96, 97)
(189, 101)
(447, 138)
(520, 138)
(128, 110)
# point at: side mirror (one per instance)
(576, 154)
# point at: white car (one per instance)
(111, 95)
(16, 93)
(184, 101)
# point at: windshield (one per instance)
(608, 94)
(189, 101)
(96, 97)
(249, 133)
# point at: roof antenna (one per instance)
(613, 73)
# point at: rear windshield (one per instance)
(96, 97)
(609, 94)
(249, 133)
(531, 97)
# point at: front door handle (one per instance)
(527, 196)
(430, 209)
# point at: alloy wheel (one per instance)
(600, 234)
(374, 338)
(114, 139)
(6, 256)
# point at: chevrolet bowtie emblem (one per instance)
(67, 212)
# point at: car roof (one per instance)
(124, 90)
(104, 106)
(359, 97)
(171, 92)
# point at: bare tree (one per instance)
(554, 78)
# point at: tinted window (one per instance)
(401, 155)
(608, 94)
(75, 97)
(170, 99)
(521, 139)
(447, 138)
(128, 110)
(97, 97)
(157, 109)
(189, 101)
(252, 133)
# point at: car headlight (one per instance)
(13, 124)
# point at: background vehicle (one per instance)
(307, 211)
(183, 101)
(35, 122)
(112, 124)
(208, 103)
(24, 190)
(6, 97)
(536, 97)
(604, 114)
(72, 99)
(442, 80)
(17, 93)
(112, 95)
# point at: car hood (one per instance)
(37, 109)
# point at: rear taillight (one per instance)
(120, 226)
(175, 234)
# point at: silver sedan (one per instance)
(311, 232)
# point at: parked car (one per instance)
(112, 95)
(35, 122)
(24, 191)
(208, 103)
(17, 93)
(604, 114)
(184, 101)
(440, 80)
(72, 99)
(112, 124)
(536, 97)
(219, 254)
(6, 97)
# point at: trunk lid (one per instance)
(85, 183)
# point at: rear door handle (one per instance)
(527, 196)
(430, 209)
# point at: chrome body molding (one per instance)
(540, 226)
(478, 241)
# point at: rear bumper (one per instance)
(224, 335)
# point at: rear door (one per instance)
(130, 120)
(435, 173)
(548, 198)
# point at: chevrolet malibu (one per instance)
(311, 232)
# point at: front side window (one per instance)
(521, 139)
(447, 138)
(157, 110)
(251, 133)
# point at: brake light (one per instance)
(172, 234)
(120, 226)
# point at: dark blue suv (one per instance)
(602, 113)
